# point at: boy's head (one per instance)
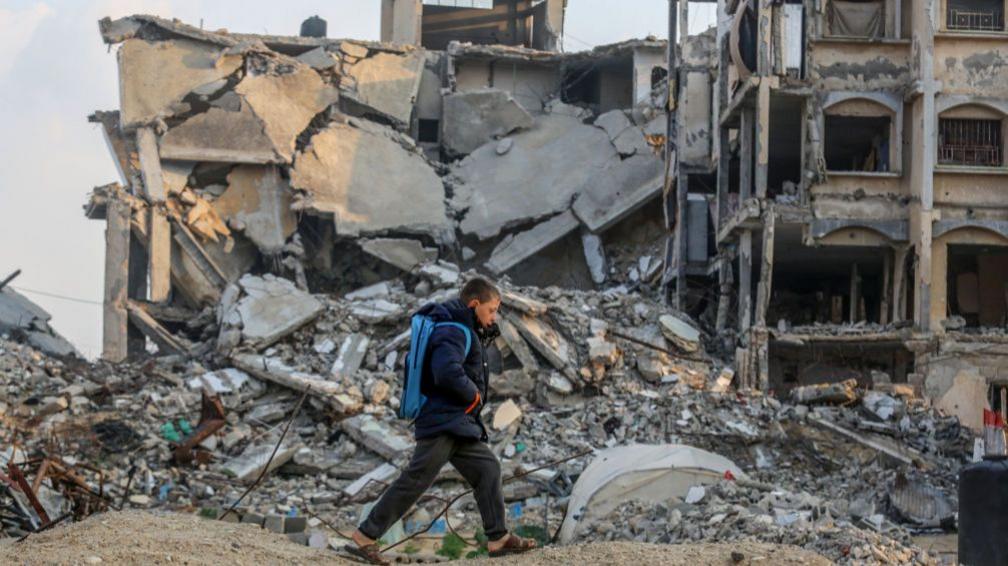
(484, 298)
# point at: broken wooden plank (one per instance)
(152, 329)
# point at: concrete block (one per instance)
(472, 119)
(274, 523)
(253, 519)
(295, 524)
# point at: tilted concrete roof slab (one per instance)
(370, 183)
(537, 177)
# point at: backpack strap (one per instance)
(465, 330)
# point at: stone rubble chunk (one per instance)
(273, 308)
(373, 311)
(543, 338)
(506, 414)
(474, 118)
(350, 356)
(251, 462)
(680, 333)
(842, 392)
(403, 253)
(377, 436)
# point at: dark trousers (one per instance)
(472, 458)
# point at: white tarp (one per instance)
(648, 472)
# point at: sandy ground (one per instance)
(137, 537)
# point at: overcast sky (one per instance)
(55, 71)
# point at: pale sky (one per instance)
(55, 71)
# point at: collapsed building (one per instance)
(845, 203)
(342, 163)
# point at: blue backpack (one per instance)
(421, 328)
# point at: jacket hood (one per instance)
(449, 311)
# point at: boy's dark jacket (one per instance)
(450, 379)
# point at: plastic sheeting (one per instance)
(648, 472)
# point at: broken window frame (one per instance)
(978, 114)
(857, 105)
(974, 22)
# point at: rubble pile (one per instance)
(732, 512)
(572, 372)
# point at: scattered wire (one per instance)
(265, 470)
(56, 296)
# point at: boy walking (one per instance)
(449, 427)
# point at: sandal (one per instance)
(370, 553)
(514, 545)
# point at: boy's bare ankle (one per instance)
(361, 539)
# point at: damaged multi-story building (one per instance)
(838, 201)
(465, 137)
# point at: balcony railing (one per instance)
(975, 19)
(970, 142)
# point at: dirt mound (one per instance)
(640, 554)
(137, 537)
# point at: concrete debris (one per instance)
(506, 414)
(543, 338)
(350, 356)
(23, 319)
(248, 466)
(336, 173)
(538, 176)
(386, 83)
(169, 71)
(474, 118)
(273, 308)
(843, 392)
(257, 203)
(376, 310)
(625, 136)
(640, 181)
(515, 248)
(377, 436)
(681, 333)
(403, 253)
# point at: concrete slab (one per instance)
(273, 308)
(286, 103)
(350, 356)
(679, 332)
(251, 462)
(625, 136)
(403, 253)
(318, 59)
(543, 338)
(373, 311)
(537, 177)
(386, 82)
(515, 248)
(257, 202)
(18, 312)
(222, 136)
(377, 436)
(618, 191)
(370, 183)
(154, 76)
(472, 119)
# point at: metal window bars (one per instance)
(975, 19)
(963, 141)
